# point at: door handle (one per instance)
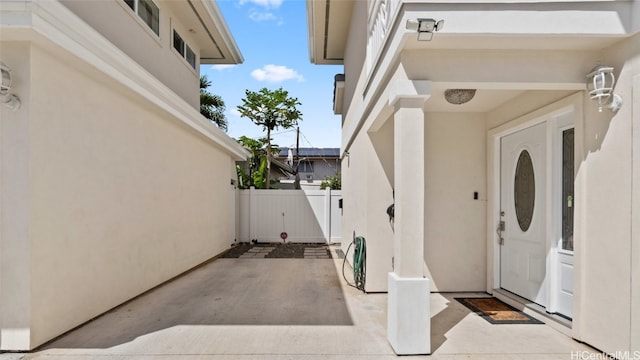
(499, 231)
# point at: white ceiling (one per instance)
(483, 101)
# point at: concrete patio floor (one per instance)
(286, 309)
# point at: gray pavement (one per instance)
(256, 308)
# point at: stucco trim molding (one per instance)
(417, 90)
(50, 24)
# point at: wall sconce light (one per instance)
(9, 100)
(600, 83)
(424, 27)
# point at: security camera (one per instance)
(424, 27)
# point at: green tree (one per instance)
(247, 174)
(254, 172)
(212, 106)
(332, 182)
(270, 110)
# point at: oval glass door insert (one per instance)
(524, 190)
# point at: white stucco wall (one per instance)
(521, 105)
(354, 200)
(607, 282)
(607, 290)
(364, 211)
(455, 168)
(155, 53)
(379, 195)
(15, 271)
(635, 220)
(607, 294)
(367, 173)
(118, 196)
(606, 301)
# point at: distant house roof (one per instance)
(285, 168)
(311, 152)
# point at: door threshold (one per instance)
(557, 322)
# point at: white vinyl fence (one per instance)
(309, 216)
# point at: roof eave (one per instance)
(231, 53)
(326, 24)
(310, 31)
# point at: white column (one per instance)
(16, 209)
(635, 220)
(409, 322)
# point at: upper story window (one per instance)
(183, 49)
(305, 166)
(148, 11)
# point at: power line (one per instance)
(311, 146)
(284, 132)
(307, 140)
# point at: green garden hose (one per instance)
(359, 263)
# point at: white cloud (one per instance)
(275, 73)
(221, 67)
(234, 112)
(268, 4)
(258, 16)
(263, 10)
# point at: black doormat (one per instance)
(497, 312)
(279, 251)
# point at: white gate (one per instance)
(311, 216)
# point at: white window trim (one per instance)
(134, 14)
(186, 45)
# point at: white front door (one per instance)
(523, 256)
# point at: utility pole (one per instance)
(296, 183)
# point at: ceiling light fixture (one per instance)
(459, 96)
(424, 27)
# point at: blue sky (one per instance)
(272, 37)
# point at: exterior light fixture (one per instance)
(600, 83)
(424, 27)
(459, 96)
(9, 100)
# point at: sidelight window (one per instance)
(567, 189)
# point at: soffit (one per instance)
(203, 20)
(494, 30)
(328, 25)
(484, 100)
